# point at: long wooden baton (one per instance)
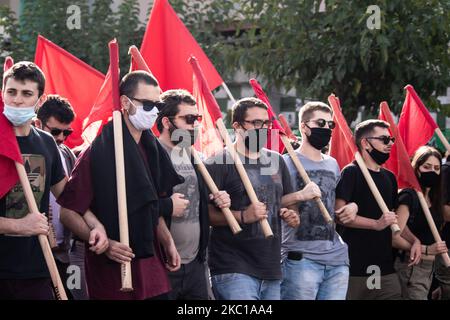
(127, 284)
(43, 240)
(432, 225)
(243, 174)
(231, 220)
(122, 198)
(376, 193)
(301, 170)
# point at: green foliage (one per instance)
(291, 44)
(287, 43)
(99, 25)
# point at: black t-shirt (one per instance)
(22, 257)
(249, 252)
(446, 193)
(417, 222)
(368, 247)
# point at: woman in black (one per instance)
(416, 275)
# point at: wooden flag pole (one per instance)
(127, 284)
(51, 233)
(43, 240)
(301, 170)
(373, 188)
(228, 92)
(122, 198)
(243, 174)
(362, 165)
(434, 230)
(231, 220)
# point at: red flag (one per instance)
(71, 78)
(107, 99)
(404, 171)
(274, 133)
(166, 47)
(209, 141)
(287, 130)
(392, 163)
(342, 146)
(9, 149)
(415, 126)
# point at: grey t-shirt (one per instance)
(185, 230)
(249, 252)
(317, 240)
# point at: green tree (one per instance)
(290, 43)
(130, 31)
(101, 29)
(98, 25)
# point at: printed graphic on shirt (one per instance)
(190, 190)
(313, 226)
(16, 205)
(269, 189)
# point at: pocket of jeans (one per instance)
(225, 277)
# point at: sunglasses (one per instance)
(322, 122)
(148, 105)
(190, 118)
(259, 124)
(56, 132)
(384, 139)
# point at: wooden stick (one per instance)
(231, 220)
(304, 176)
(376, 193)
(122, 198)
(51, 233)
(228, 92)
(43, 240)
(443, 139)
(432, 225)
(243, 174)
(286, 127)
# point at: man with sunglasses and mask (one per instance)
(247, 266)
(178, 122)
(150, 178)
(368, 236)
(55, 117)
(315, 258)
(23, 271)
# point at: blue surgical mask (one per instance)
(18, 116)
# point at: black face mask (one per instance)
(255, 139)
(319, 137)
(183, 138)
(429, 179)
(378, 156)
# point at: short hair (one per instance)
(171, 100)
(241, 106)
(308, 109)
(130, 81)
(57, 107)
(365, 128)
(26, 70)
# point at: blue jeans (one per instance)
(238, 286)
(307, 280)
